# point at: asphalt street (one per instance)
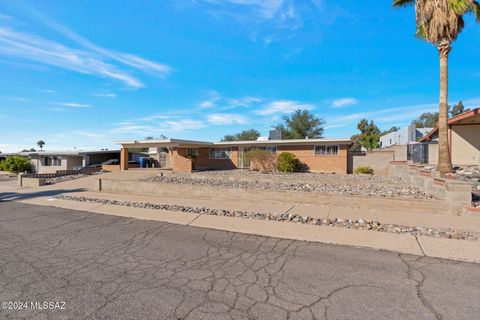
(63, 264)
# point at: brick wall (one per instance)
(319, 163)
(180, 161)
(203, 161)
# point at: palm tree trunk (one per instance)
(444, 160)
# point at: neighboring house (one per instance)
(52, 161)
(319, 155)
(464, 138)
(403, 136)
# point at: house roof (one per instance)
(284, 142)
(192, 143)
(466, 118)
(65, 152)
(162, 143)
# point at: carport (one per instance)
(178, 151)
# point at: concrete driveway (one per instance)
(107, 267)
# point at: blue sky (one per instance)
(86, 73)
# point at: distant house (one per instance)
(464, 137)
(319, 155)
(403, 136)
(52, 161)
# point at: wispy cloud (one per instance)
(219, 103)
(88, 58)
(50, 91)
(106, 94)
(157, 128)
(282, 107)
(214, 97)
(74, 105)
(226, 119)
(265, 17)
(344, 102)
(397, 116)
(18, 99)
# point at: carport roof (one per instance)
(162, 143)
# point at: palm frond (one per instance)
(460, 7)
(476, 10)
(402, 3)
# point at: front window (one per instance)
(272, 149)
(326, 150)
(192, 152)
(220, 153)
(52, 161)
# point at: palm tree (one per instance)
(40, 143)
(440, 22)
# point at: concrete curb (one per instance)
(403, 243)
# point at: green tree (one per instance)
(392, 129)
(427, 120)
(369, 136)
(15, 164)
(40, 144)
(440, 22)
(245, 135)
(301, 124)
(457, 109)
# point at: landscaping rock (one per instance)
(392, 190)
(357, 224)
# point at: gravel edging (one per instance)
(392, 191)
(356, 224)
(70, 177)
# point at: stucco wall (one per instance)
(466, 144)
(67, 163)
(377, 160)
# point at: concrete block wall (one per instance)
(205, 192)
(457, 194)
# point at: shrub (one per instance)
(15, 164)
(364, 170)
(287, 162)
(261, 160)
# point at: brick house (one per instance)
(318, 155)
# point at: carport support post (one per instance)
(124, 159)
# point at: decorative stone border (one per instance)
(356, 224)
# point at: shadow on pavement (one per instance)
(13, 196)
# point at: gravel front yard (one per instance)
(367, 186)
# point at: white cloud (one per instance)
(211, 101)
(282, 106)
(74, 105)
(344, 102)
(88, 59)
(155, 117)
(158, 128)
(226, 119)
(18, 99)
(106, 94)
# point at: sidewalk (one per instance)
(404, 243)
